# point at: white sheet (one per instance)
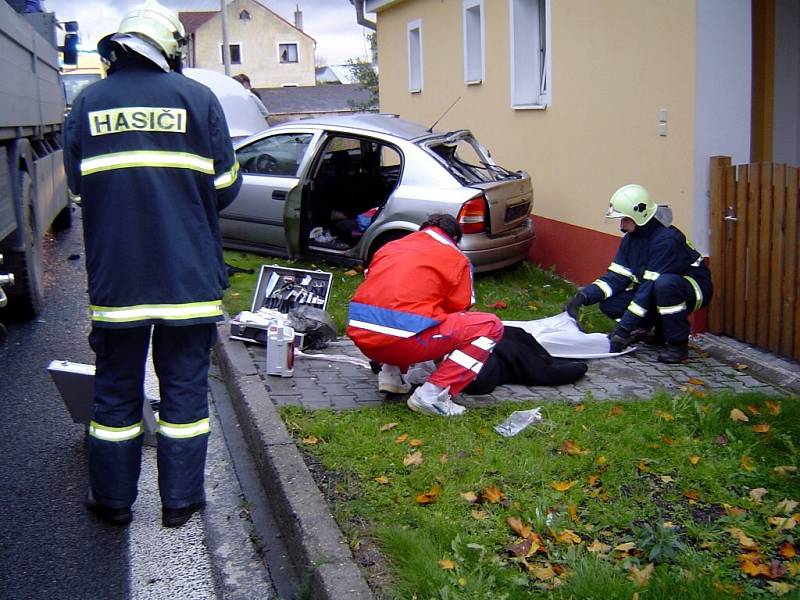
(561, 337)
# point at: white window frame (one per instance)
(531, 73)
(288, 62)
(415, 62)
(474, 42)
(231, 45)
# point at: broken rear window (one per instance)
(466, 159)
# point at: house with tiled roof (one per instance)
(272, 51)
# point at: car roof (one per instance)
(373, 122)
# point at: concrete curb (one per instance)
(315, 544)
(764, 365)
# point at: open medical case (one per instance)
(281, 289)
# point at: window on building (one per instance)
(473, 41)
(244, 16)
(415, 56)
(530, 53)
(235, 51)
(287, 53)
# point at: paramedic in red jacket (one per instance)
(412, 307)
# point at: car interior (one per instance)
(351, 183)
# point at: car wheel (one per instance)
(384, 239)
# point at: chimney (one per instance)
(298, 17)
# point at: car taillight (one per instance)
(472, 216)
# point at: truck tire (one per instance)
(26, 296)
(63, 219)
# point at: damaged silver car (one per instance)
(342, 187)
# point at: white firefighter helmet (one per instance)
(152, 30)
(632, 201)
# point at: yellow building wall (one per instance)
(259, 39)
(615, 65)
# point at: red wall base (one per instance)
(581, 255)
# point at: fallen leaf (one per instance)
(311, 440)
(667, 440)
(776, 569)
(691, 494)
(787, 550)
(446, 564)
(479, 514)
(542, 572)
(580, 407)
(793, 568)
(568, 537)
(492, 494)
(784, 470)
(661, 414)
(521, 548)
(786, 505)
(351, 273)
(388, 426)
(773, 407)
(668, 525)
(642, 466)
(742, 367)
(698, 394)
(641, 576)
(737, 415)
(616, 410)
(430, 496)
(666, 479)
(415, 443)
(601, 460)
(744, 541)
(562, 486)
(573, 513)
(572, 448)
(383, 480)
(753, 409)
(721, 440)
(780, 588)
(500, 304)
(598, 547)
(414, 459)
(729, 588)
(733, 511)
(443, 459)
(747, 463)
(760, 428)
(782, 522)
(592, 479)
(625, 547)
(462, 582)
(694, 459)
(470, 497)
(752, 569)
(401, 438)
(758, 493)
(696, 381)
(522, 530)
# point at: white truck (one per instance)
(33, 191)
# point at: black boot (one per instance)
(674, 352)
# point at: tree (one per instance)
(366, 75)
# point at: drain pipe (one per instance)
(360, 18)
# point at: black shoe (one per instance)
(639, 335)
(119, 517)
(175, 517)
(674, 352)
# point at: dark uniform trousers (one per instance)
(181, 359)
(675, 299)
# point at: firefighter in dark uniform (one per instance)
(654, 282)
(149, 156)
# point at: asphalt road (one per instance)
(50, 546)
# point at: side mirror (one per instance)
(70, 48)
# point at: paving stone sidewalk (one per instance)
(320, 383)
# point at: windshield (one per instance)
(465, 158)
(75, 82)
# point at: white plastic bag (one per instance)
(517, 421)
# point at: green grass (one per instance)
(632, 473)
(630, 479)
(528, 292)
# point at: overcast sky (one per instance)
(332, 23)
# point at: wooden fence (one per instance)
(755, 255)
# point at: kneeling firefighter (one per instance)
(149, 155)
(655, 281)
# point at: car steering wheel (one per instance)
(266, 163)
